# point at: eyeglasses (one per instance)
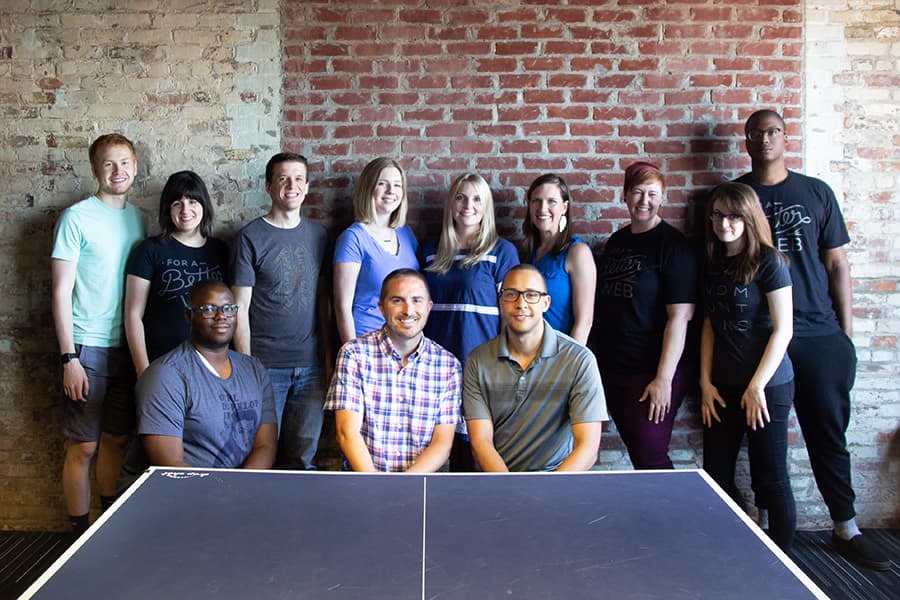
(209, 311)
(531, 296)
(754, 135)
(717, 216)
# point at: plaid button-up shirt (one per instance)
(400, 405)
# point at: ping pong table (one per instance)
(195, 533)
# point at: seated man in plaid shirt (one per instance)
(396, 394)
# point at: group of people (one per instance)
(452, 352)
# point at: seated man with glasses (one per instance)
(532, 396)
(203, 405)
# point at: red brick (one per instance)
(495, 130)
(446, 34)
(591, 63)
(378, 147)
(608, 48)
(354, 33)
(495, 163)
(329, 15)
(780, 66)
(642, 31)
(568, 146)
(709, 146)
(641, 64)
(469, 49)
(323, 49)
(497, 98)
(420, 49)
(614, 81)
(398, 98)
(351, 65)
(543, 96)
(687, 32)
(520, 15)
(352, 131)
(543, 64)
(472, 114)
(611, 113)
(733, 64)
(374, 49)
(497, 33)
(446, 130)
(574, 48)
(591, 33)
(427, 81)
(519, 113)
(467, 16)
(519, 81)
(615, 147)
(568, 112)
(567, 80)
(471, 82)
(420, 16)
(412, 147)
(567, 15)
(665, 48)
(756, 48)
(391, 130)
(652, 81)
(331, 149)
(424, 114)
(714, 48)
(471, 146)
(711, 13)
(446, 163)
(351, 98)
(543, 30)
(334, 115)
(515, 48)
(306, 132)
(666, 115)
(688, 63)
(664, 147)
(628, 130)
(591, 129)
(544, 128)
(647, 98)
(520, 146)
(495, 65)
(688, 97)
(757, 15)
(544, 164)
(589, 96)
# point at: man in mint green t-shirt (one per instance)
(91, 244)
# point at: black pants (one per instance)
(824, 372)
(767, 449)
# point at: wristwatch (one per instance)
(67, 356)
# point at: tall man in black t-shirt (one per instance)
(807, 225)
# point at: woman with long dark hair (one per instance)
(746, 378)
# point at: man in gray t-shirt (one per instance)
(203, 405)
(278, 267)
(533, 398)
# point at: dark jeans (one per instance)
(767, 449)
(824, 372)
(647, 442)
(299, 398)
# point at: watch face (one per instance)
(66, 357)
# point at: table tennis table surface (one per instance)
(196, 533)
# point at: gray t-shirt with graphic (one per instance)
(217, 419)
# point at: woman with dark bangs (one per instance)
(162, 269)
(647, 288)
(746, 378)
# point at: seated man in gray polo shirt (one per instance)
(532, 396)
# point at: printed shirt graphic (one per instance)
(283, 267)
(216, 418)
(637, 276)
(805, 219)
(172, 270)
(741, 321)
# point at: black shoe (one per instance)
(859, 550)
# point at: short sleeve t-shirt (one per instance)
(355, 245)
(283, 267)
(805, 219)
(99, 239)
(217, 419)
(637, 276)
(172, 270)
(741, 321)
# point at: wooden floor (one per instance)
(24, 555)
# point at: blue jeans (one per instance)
(299, 398)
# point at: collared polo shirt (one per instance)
(533, 409)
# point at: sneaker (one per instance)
(859, 550)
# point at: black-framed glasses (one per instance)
(531, 296)
(209, 311)
(717, 216)
(754, 135)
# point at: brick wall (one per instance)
(510, 89)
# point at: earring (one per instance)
(562, 223)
